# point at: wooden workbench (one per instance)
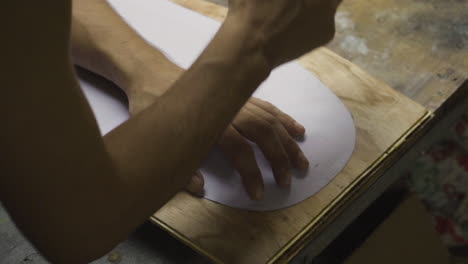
(386, 121)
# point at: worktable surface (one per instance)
(417, 47)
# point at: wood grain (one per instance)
(382, 116)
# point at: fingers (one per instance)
(260, 131)
(294, 152)
(292, 126)
(242, 158)
(267, 126)
(196, 184)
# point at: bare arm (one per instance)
(71, 191)
(84, 193)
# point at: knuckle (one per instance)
(278, 157)
(231, 143)
(283, 160)
(244, 120)
(273, 121)
(244, 159)
(269, 106)
(266, 129)
(237, 148)
(291, 143)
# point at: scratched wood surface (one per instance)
(382, 116)
(417, 47)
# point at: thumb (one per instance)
(196, 184)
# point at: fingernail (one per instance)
(300, 128)
(258, 195)
(304, 163)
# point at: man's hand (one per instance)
(258, 121)
(274, 132)
(285, 29)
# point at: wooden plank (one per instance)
(382, 117)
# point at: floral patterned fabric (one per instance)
(440, 178)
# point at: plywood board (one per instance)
(383, 118)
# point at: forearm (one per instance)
(102, 42)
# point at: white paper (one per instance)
(330, 134)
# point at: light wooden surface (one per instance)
(382, 117)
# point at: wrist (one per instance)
(153, 73)
(237, 47)
(129, 65)
(140, 64)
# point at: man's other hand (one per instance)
(259, 122)
(274, 132)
